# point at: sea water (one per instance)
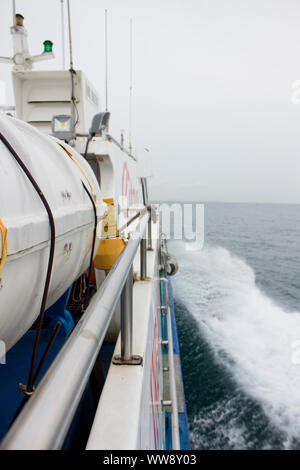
(237, 303)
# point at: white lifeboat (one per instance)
(59, 171)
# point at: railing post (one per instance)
(143, 253)
(126, 318)
(150, 229)
(126, 357)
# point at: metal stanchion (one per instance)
(150, 229)
(126, 356)
(143, 253)
(126, 318)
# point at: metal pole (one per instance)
(126, 318)
(130, 89)
(62, 35)
(106, 66)
(143, 254)
(150, 231)
(73, 98)
(70, 35)
(14, 12)
(46, 419)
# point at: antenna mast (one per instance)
(14, 12)
(106, 67)
(70, 35)
(72, 71)
(62, 34)
(130, 88)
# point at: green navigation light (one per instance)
(48, 46)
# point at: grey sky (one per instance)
(212, 87)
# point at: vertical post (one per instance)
(70, 35)
(14, 12)
(106, 66)
(130, 88)
(126, 318)
(143, 253)
(160, 252)
(63, 34)
(150, 229)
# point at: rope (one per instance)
(93, 246)
(82, 171)
(78, 289)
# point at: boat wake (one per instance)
(253, 337)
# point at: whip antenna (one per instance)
(130, 88)
(72, 71)
(14, 12)
(70, 35)
(62, 34)
(106, 67)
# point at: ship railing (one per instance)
(172, 374)
(47, 417)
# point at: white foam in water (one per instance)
(226, 432)
(246, 329)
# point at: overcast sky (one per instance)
(211, 91)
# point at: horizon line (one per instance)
(225, 202)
